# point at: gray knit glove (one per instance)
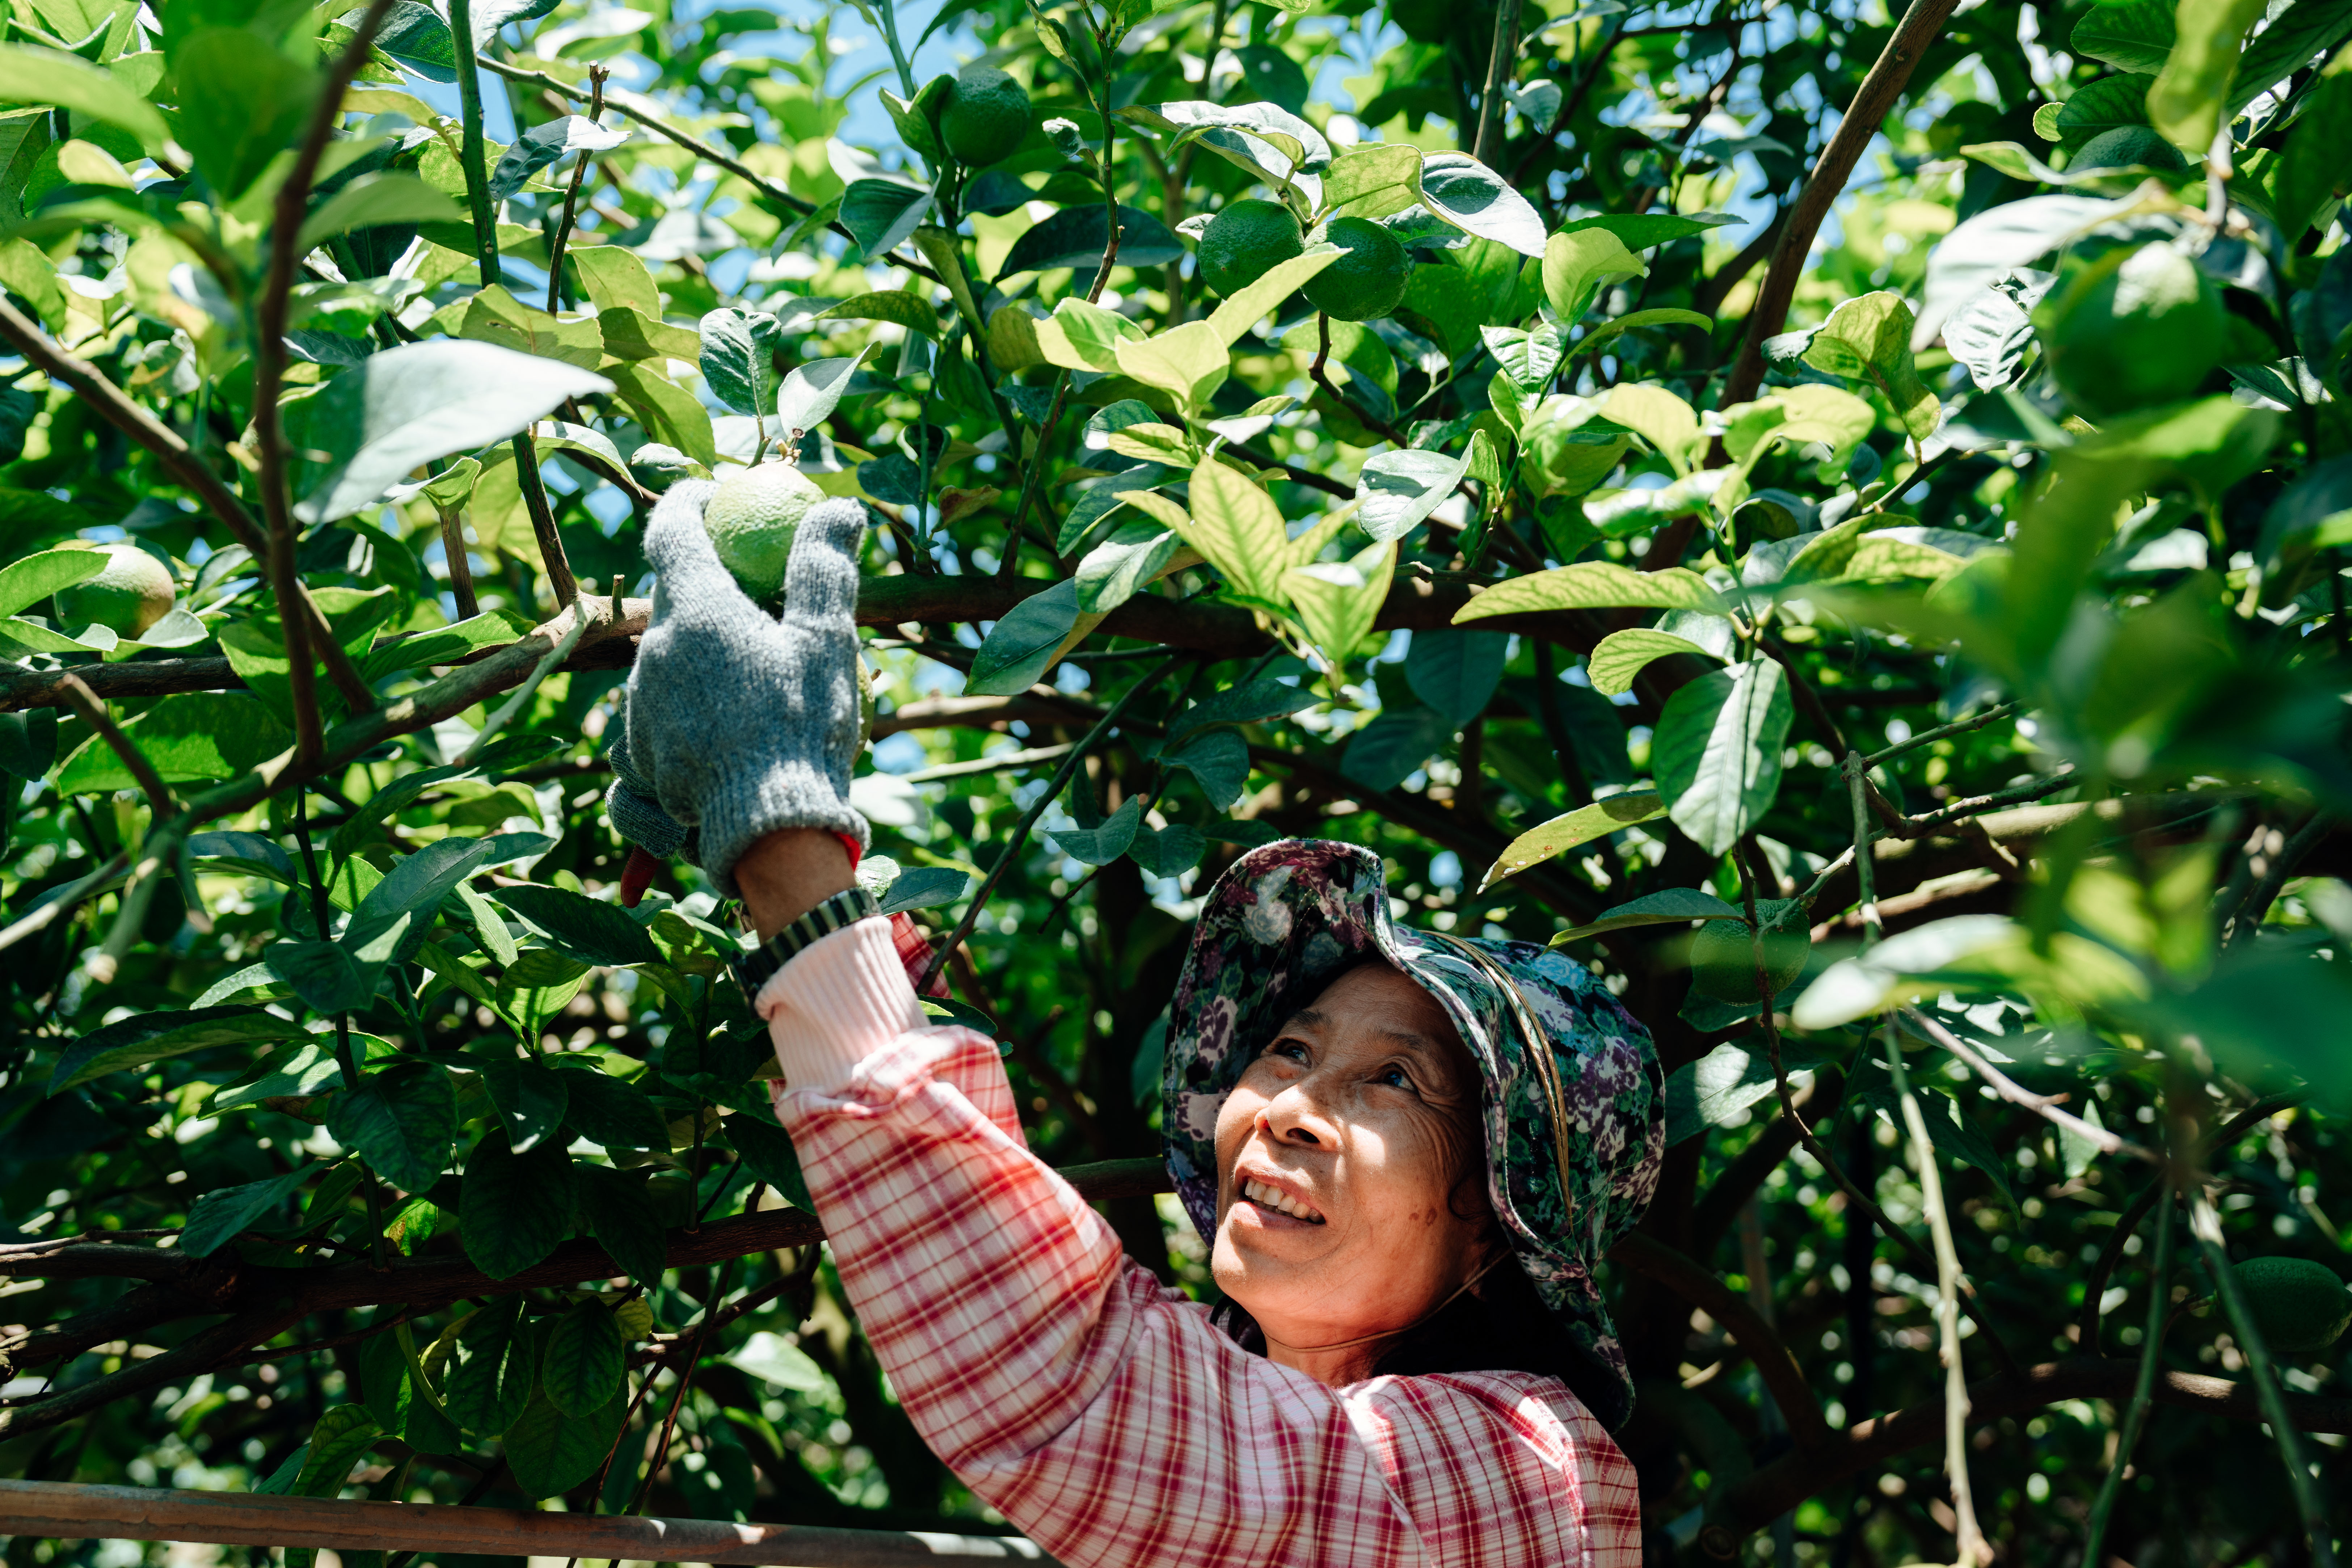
(636, 816)
(738, 723)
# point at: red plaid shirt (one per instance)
(1100, 1411)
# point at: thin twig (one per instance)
(1941, 733)
(2010, 1089)
(1020, 835)
(85, 703)
(2151, 1356)
(270, 378)
(1386, 431)
(596, 74)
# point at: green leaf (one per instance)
(910, 311)
(1384, 753)
(1594, 585)
(305, 1070)
(342, 1435)
(490, 1368)
(590, 929)
(377, 199)
(2098, 107)
(1455, 673)
(580, 1371)
(1100, 846)
(1618, 658)
(1338, 601)
(879, 214)
(1077, 237)
(2134, 37)
(186, 736)
(1530, 358)
(550, 1452)
(496, 316)
(1218, 760)
(615, 1114)
(1243, 309)
(410, 894)
(1251, 702)
(620, 1214)
(1138, 554)
(1674, 906)
(401, 1120)
(1577, 263)
(28, 744)
(1236, 527)
(405, 406)
(813, 389)
(1640, 231)
(615, 279)
(768, 1149)
(739, 350)
(1401, 488)
(2312, 163)
(1659, 417)
(324, 974)
(1479, 201)
(222, 1214)
(1190, 362)
(925, 888)
(2187, 101)
(1570, 829)
(517, 1208)
(25, 583)
(1717, 751)
(531, 1097)
(541, 146)
(146, 1037)
(30, 74)
(1020, 647)
(539, 985)
(451, 644)
(1869, 339)
(1372, 180)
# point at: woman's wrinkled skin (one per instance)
(1360, 1114)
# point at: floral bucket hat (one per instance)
(1574, 1099)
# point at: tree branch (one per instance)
(93, 712)
(1702, 1289)
(1872, 103)
(116, 407)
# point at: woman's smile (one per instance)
(1274, 1203)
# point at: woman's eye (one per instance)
(1394, 1077)
(1288, 1050)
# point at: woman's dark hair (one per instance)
(1500, 1325)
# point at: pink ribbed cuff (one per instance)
(841, 999)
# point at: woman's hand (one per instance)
(737, 724)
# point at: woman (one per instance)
(1406, 1150)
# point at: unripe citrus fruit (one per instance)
(1368, 280)
(2300, 1306)
(2131, 330)
(1246, 241)
(986, 116)
(131, 593)
(2124, 146)
(1722, 954)
(752, 521)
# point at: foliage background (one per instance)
(2106, 526)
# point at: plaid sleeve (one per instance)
(1104, 1415)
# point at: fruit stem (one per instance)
(2160, 1278)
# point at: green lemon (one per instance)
(1723, 955)
(2124, 146)
(2300, 1306)
(986, 116)
(752, 521)
(1245, 242)
(131, 593)
(1366, 282)
(2132, 329)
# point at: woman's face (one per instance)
(1341, 1165)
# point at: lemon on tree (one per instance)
(752, 521)
(2300, 1306)
(1246, 241)
(2125, 146)
(985, 118)
(131, 593)
(2132, 329)
(1723, 953)
(1369, 278)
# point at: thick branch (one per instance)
(1920, 25)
